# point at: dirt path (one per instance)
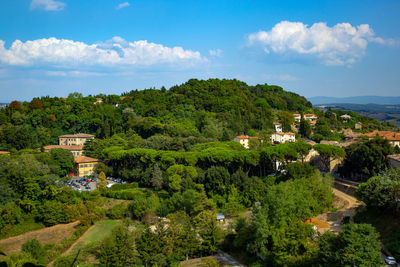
(54, 234)
(350, 205)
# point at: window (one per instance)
(81, 172)
(90, 165)
(86, 172)
(81, 165)
(85, 165)
(94, 165)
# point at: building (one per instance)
(244, 140)
(282, 137)
(77, 151)
(345, 117)
(98, 101)
(296, 117)
(392, 137)
(394, 160)
(358, 126)
(278, 127)
(85, 165)
(312, 118)
(74, 139)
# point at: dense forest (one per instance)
(213, 109)
(174, 150)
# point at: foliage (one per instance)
(329, 153)
(366, 158)
(119, 249)
(381, 192)
(278, 233)
(356, 245)
(103, 181)
(34, 248)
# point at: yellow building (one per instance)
(85, 165)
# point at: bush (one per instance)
(117, 187)
(34, 248)
(117, 212)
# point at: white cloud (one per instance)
(53, 52)
(122, 5)
(48, 5)
(342, 44)
(215, 52)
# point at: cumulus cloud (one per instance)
(122, 5)
(55, 52)
(48, 5)
(342, 44)
(215, 52)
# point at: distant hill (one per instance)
(381, 100)
(388, 112)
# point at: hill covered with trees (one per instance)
(217, 109)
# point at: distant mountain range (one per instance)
(380, 100)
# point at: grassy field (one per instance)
(48, 235)
(95, 234)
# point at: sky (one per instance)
(314, 48)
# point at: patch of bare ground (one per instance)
(54, 234)
(349, 206)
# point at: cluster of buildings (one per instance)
(74, 142)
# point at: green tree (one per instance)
(119, 249)
(366, 158)
(206, 226)
(356, 245)
(103, 181)
(156, 177)
(305, 128)
(328, 153)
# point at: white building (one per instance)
(281, 137)
(278, 127)
(74, 139)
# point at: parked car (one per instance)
(390, 260)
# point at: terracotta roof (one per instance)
(78, 135)
(391, 136)
(4, 153)
(276, 123)
(283, 133)
(84, 159)
(309, 115)
(296, 114)
(71, 148)
(247, 137)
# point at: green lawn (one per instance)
(96, 234)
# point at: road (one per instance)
(350, 205)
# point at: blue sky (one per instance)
(314, 48)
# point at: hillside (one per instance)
(383, 113)
(363, 100)
(214, 109)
